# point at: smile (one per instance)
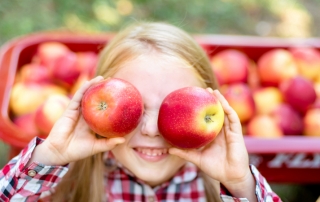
(151, 154)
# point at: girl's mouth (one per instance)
(151, 154)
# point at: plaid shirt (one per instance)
(21, 183)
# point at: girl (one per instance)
(74, 164)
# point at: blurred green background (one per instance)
(271, 18)
(281, 18)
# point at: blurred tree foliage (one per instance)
(285, 18)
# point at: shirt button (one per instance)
(32, 173)
(151, 199)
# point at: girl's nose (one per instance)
(150, 124)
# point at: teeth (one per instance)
(152, 152)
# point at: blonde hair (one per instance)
(137, 39)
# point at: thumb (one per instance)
(106, 144)
(191, 155)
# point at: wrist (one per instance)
(242, 188)
(43, 154)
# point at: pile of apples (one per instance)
(276, 95)
(43, 88)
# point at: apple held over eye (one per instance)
(190, 117)
(112, 107)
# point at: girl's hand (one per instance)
(71, 139)
(225, 159)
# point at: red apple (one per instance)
(240, 98)
(299, 93)
(50, 111)
(231, 66)
(80, 81)
(317, 80)
(64, 69)
(34, 72)
(276, 66)
(27, 97)
(316, 104)
(112, 108)
(263, 126)
(311, 122)
(190, 117)
(253, 79)
(288, 119)
(48, 52)
(308, 61)
(86, 62)
(26, 124)
(266, 99)
(317, 88)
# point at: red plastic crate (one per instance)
(291, 159)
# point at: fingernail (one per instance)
(121, 141)
(210, 90)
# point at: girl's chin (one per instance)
(153, 179)
(154, 176)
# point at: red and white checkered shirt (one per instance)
(37, 181)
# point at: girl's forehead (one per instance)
(154, 73)
(157, 65)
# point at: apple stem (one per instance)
(208, 118)
(103, 106)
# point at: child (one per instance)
(157, 59)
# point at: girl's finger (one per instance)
(76, 100)
(106, 144)
(225, 104)
(210, 90)
(191, 155)
(232, 116)
(71, 114)
(229, 111)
